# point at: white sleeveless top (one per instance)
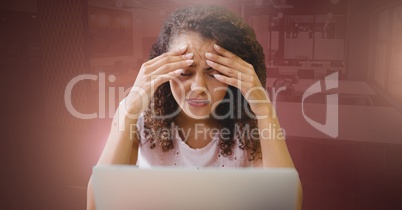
(184, 156)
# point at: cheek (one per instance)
(219, 90)
(178, 90)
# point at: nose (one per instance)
(198, 84)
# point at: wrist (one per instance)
(134, 104)
(266, 111)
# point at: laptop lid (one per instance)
(128, 187)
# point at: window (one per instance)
(315, 37)
(395, 67)
(299, 37)
(386, 66)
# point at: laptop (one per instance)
(123, 187)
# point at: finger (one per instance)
(230, 81)
(226, 53)
(160, 79)
(167, 60)
(176, 52)
(229, 72)
(164, 69)
(233, 62)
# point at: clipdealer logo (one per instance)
(331, 125)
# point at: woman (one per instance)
(199, 100)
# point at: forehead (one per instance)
(194, 41)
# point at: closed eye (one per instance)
(185, 74)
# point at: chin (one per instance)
(197, 113)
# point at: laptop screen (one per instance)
(128, 187)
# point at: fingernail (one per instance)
(208, 55)
(182, 48)
(217, 47)
(217, 76)
(189, 62)
(189, 55)
(209, 62)
(178, 71)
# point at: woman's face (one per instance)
(196, 90)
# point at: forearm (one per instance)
(121, 140)
(273, 146)
(120, 146)
(90, 196)
(274, 149)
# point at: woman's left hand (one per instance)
(240, 74)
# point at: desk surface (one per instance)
(346, 87)
(357, 123)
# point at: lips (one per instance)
(198, 102)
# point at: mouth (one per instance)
(197, 102)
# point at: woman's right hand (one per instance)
(122, 147)
(152, 74)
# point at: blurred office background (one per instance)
(47, 154)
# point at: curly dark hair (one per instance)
(232, 33)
